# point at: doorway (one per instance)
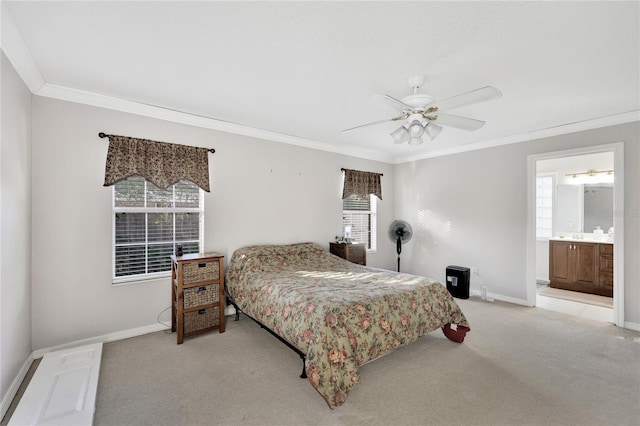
(576, 225)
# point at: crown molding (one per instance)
(627, 117)
(153, 111)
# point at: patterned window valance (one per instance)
(160, 163)
(361, 183)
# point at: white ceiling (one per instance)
(301, 72)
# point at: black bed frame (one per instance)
(296, 350)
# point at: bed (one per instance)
(337, 315)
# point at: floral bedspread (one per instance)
(339, 314)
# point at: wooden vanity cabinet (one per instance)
(606, 267)
(581, 266)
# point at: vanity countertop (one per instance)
(587, 239)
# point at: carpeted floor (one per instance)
(518, 366)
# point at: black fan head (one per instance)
(401, 229)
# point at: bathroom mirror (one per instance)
(580, 208)
(598, 206)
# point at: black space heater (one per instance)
(458, 281)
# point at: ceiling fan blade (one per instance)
(486, 93)
(395, 102)
(458, 122)
(400, 117)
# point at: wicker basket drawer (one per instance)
(195, 272)
(202, 295)
(201, 319)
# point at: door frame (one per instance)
(618, 220)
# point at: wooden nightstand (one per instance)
(197, 294)
(354, 252)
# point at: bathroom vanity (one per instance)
(581, 265)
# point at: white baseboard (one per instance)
(110, 337)
(508, 299)
(118, 335)
(501, 297)
(15, 385)
(632, 325)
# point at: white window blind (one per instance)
(148, 222)
(544, 206)
(360, 214)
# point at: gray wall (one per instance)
(470, 209)
(15, 227)
(467, 209)
(262, 192)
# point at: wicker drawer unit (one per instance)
(197, 294)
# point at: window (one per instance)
(360, 214)
(147, 224)
(544, 206)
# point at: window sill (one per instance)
(116, 282)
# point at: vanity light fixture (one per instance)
(591, 176)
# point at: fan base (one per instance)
(417, 100)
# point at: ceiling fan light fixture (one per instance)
(432, 130)
(400, 135)
(416, 129)
(416, 141)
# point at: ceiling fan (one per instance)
(423, 115)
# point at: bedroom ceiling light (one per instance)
(415, 131)
(400, 135)
(432, 130)
(591, 176)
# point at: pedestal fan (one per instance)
(400, 231)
